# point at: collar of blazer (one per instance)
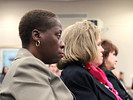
(104, 89)
(23, 53)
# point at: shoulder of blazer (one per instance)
(74, 68)
(27, 57)
(26, 60)
(108, 73)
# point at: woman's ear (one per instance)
(35, 34)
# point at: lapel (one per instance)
(104, 89)
(120, 84)
(111, 74)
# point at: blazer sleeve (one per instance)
(80, 84)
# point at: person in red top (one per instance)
(83, 54)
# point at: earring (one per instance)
(37, 43)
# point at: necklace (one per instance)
(110, 88)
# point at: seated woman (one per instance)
(82, 56)
(109, 63)
(4, 71)
(29, 77)
(54, 69)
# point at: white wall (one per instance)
(116, 15)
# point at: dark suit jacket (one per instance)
(1, 78)
(117, 85)
(83, 85)
(30, 79)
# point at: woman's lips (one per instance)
(62, 54)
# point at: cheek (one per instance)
(107, 62)
(98, 61)
(51, 42)
(111, 61)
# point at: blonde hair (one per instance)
(80, 42)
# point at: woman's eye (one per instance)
(114, 54)
(99, 44)
(58, 35)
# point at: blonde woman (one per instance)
(82, 56)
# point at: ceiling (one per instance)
(47, 0)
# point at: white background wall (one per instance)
(116, 15)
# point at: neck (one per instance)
(95, 65)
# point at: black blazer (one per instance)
(117, 85)
(83, 85)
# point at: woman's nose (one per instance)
(116, 60)
(102, 50)
(61, 43)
